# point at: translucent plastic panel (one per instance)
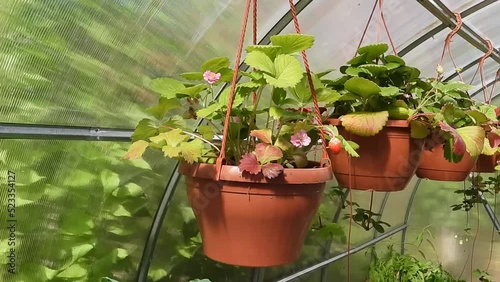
(178, 254)
(454, 247)
(82, 213)
(87, 63)
(486, 23)
(359, 262)
(396, 205)
(426, 57)
(318, 248)
(460, 5)
(338, 26)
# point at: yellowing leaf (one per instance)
(474, 139)
(487, 149)
(266, 153)
(136, 150)
(264, 135)
(171, 152)
(174, 137)
(365, 124)
(206, 131)
(192, 151)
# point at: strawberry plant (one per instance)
(376, 88)
(272, 126)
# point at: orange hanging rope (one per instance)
(497, 78)
(222, 154)
(386, 27)
(254, 40)
(447, 43)
(481, 68)
(319, 120)
(381, 21)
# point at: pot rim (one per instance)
(313, 175)
(390, 123)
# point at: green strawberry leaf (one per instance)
(193, 91)
(270, 50)
(394, 59)
(419, 129)
(365, 124)
(478, 117)
(192, 75)
(210, 110)
(355, 71)
(206, 131)
(362, 87)
(145, 129)
(389, 91)
(292, 43)
(288, 72)
(215, 64)
(163, 107)
(166, 87)
(373, 51)
(260, 61)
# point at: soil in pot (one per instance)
(386, 162)
(486, 164)
(253, 221)
(434, 166)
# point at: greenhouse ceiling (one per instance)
(78, 71)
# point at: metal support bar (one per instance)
(408, 213)
(154, 231)
(490, 213)
(54, 132)
(258, 274)
(447, 17)
(344, 254)
(441, 27)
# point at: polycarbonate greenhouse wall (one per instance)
(73, 86)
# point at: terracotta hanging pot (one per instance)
(434, 166)
(254, 221)
(486, 164)
(386, 162)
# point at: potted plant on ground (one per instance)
(253, 209)
(376, 98)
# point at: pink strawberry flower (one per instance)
(211, 77)
(300, 139)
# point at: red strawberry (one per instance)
(335, 145)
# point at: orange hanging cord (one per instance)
(447, 43)
(481, 70)
(317, 111)
(222, 156)
(497, 78)
(378, 3)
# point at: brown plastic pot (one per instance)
(434, 166)
(486, 164)
(254, 221)
(386, 162)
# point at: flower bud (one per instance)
(439, 69)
